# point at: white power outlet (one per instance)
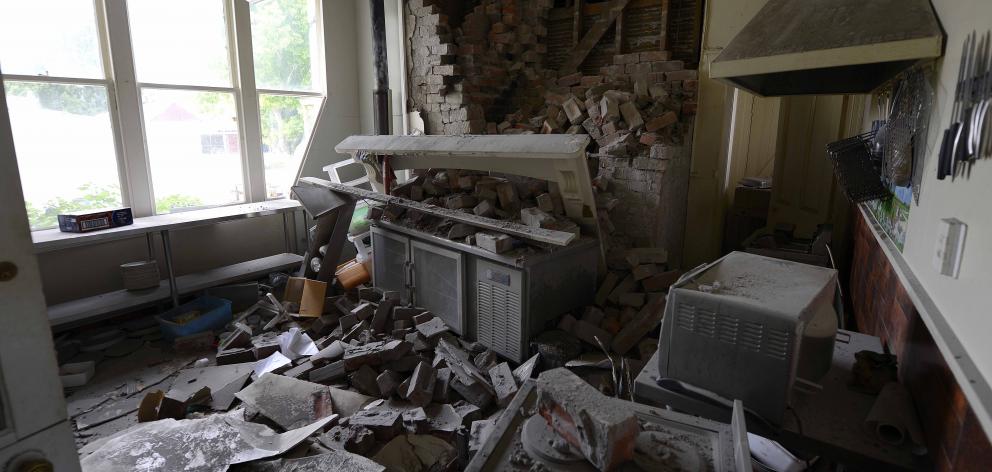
(949, 246)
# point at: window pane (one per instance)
(180, 42)
(193, 147)
(284, 43)
(65, 149)
(49, 37)
(286, 126)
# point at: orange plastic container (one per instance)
(352, 274)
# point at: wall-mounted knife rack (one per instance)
(968, 138)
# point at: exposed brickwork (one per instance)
(496, 74)
(684, 20)
(883, 308)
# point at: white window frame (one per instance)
(109, 85)
(246, 75)
(124, 98)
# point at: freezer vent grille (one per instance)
(499, 319)
(748, 335)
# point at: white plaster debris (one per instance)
(197, 445)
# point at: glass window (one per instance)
(65, 112)
(180, 42)
(63, 132)
(193, 148)
(285, 43)
(287, 122)
(65, 148)
(191, 132)
(50, 37)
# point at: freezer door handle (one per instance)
(410, 282)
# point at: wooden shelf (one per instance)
(66, 315)
(54, 240)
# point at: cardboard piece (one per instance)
(308, 293)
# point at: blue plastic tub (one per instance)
(214, 314)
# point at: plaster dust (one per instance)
(208, 444)
(777, 284)
(659, 446)
(290, 402)
(659, 449)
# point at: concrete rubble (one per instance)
(389, 382)
(408, 396)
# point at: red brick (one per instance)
(666, 119)
(598, 426)
(681, 75)
(626, 58)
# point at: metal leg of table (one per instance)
(296, 236)
(173, 289)
(306, 228)
(150, 237)
(285, 231)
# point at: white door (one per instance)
(34, 430)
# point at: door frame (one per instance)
(29, 381)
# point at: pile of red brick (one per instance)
(629, 304)
(488, 76)
(626, 113)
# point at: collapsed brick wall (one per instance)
(456, 82)
(641, 32)
(684, 24)
(495, 74)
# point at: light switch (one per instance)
(949, 246)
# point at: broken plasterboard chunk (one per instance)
(288, 402)
(504, 383)
(216, 440)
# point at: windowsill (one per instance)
(53, 240)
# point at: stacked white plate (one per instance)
(140, 275)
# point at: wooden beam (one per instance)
(663, 39)
(618, 37)
(576, 22)
(592, 37)
(557, 238)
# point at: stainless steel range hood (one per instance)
(804, 47)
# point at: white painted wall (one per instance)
(82, 272)
(342, 112)
(707, 179)
(964, 302)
